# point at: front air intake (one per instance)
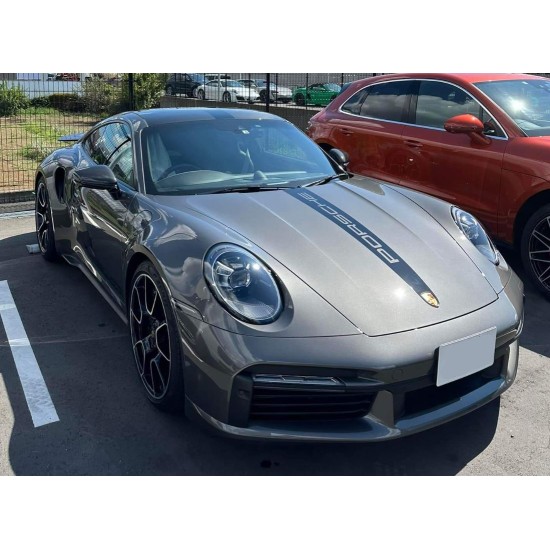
(306, 398)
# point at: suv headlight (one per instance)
(475, 233)
(242, 284)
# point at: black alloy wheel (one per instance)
(154, 339)
(44, 225)
(535, 249)
(226, 97)
(300, 100)
(201, 95)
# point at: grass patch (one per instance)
(36, 153)
(29, 137)
(46, 131)
(41, 111)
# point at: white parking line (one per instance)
(36, 393)
(19, 214)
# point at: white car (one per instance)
(226, 90)
(276, 92)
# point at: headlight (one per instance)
(475, 233)
(243, 284)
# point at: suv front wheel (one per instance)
(535, 249)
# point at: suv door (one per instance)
(176, 83)
(453, 167)
(186, 85)
(369, 129)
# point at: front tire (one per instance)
(535, 249)
(44, 223)
(226, 97)
(154, 336)
(300, 99)
(201, 95)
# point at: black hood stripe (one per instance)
(363, 235)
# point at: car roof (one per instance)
(470, 78)
(152, 117)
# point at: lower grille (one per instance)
(424, 399)
(308, 404)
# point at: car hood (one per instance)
(366, 249)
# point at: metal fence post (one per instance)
(267, 91)
(131, 96)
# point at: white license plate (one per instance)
(465, 356)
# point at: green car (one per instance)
(316, 94)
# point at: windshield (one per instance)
(230, 83)
(205, 156)
(332, 87)
(526, 101)
(197, 77)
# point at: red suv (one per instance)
(480, 141)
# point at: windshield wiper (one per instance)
(247, 189)
(327, 179)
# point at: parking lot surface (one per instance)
(107, 426)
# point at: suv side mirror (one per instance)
(467, 124)
(96, 177)
(340, 157)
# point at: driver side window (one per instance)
(121, 163)
(111, 145)
(439, 101)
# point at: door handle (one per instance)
(413, 143)
(346, 132)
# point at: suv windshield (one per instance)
(527, 102)
(197, 77)
(205, 156)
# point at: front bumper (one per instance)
(382, 387)
(247, 98)
(281, 96)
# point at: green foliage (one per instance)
(148, 88)
(38, 102)
(36, 152)
(71, 103)
(100, 97)
(12, 100)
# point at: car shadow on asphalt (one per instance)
(537, 311)
(107, 426)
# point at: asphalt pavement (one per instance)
(106, 425)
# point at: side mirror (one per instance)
(467, 124)
(340, 157)
(96, 177)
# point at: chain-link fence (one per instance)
(36, 109)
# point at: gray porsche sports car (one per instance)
(270, 292)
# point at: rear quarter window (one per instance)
(386, 101)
